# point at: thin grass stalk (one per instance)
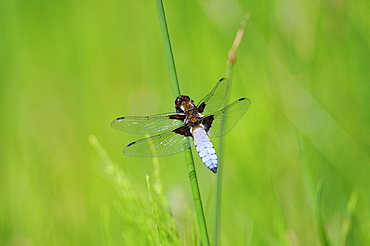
(106, 227)
(188, 154)
(154, 211)
(314, 197)
(324, 240)
(197, 198)
(349, 232)
(229, 71)
(168, 49)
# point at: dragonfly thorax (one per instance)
(186, 106)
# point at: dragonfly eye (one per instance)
(181, 100)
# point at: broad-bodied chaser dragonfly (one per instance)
(197, 122)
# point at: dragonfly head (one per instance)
(183, 103)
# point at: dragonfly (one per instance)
(190, 124)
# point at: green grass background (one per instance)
(297, 164)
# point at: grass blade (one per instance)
(168, 48)
(349, 234)
(321, 227)
(154, 211)
(229, 69)
(188, 153)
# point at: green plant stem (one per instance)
(220, 170)
(168, 49)
(197, 198)
(229, 71)
(188, 154)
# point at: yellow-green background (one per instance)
(68, 68)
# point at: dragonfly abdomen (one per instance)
(205, 148)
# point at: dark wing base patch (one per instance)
(184, 130)
(207, 122)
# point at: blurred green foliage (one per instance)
(68, 68)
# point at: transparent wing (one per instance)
(225, 119)
(148, 124)
(215, 98)
(167, 143)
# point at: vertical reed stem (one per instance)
(188, 154)
(229, 71)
